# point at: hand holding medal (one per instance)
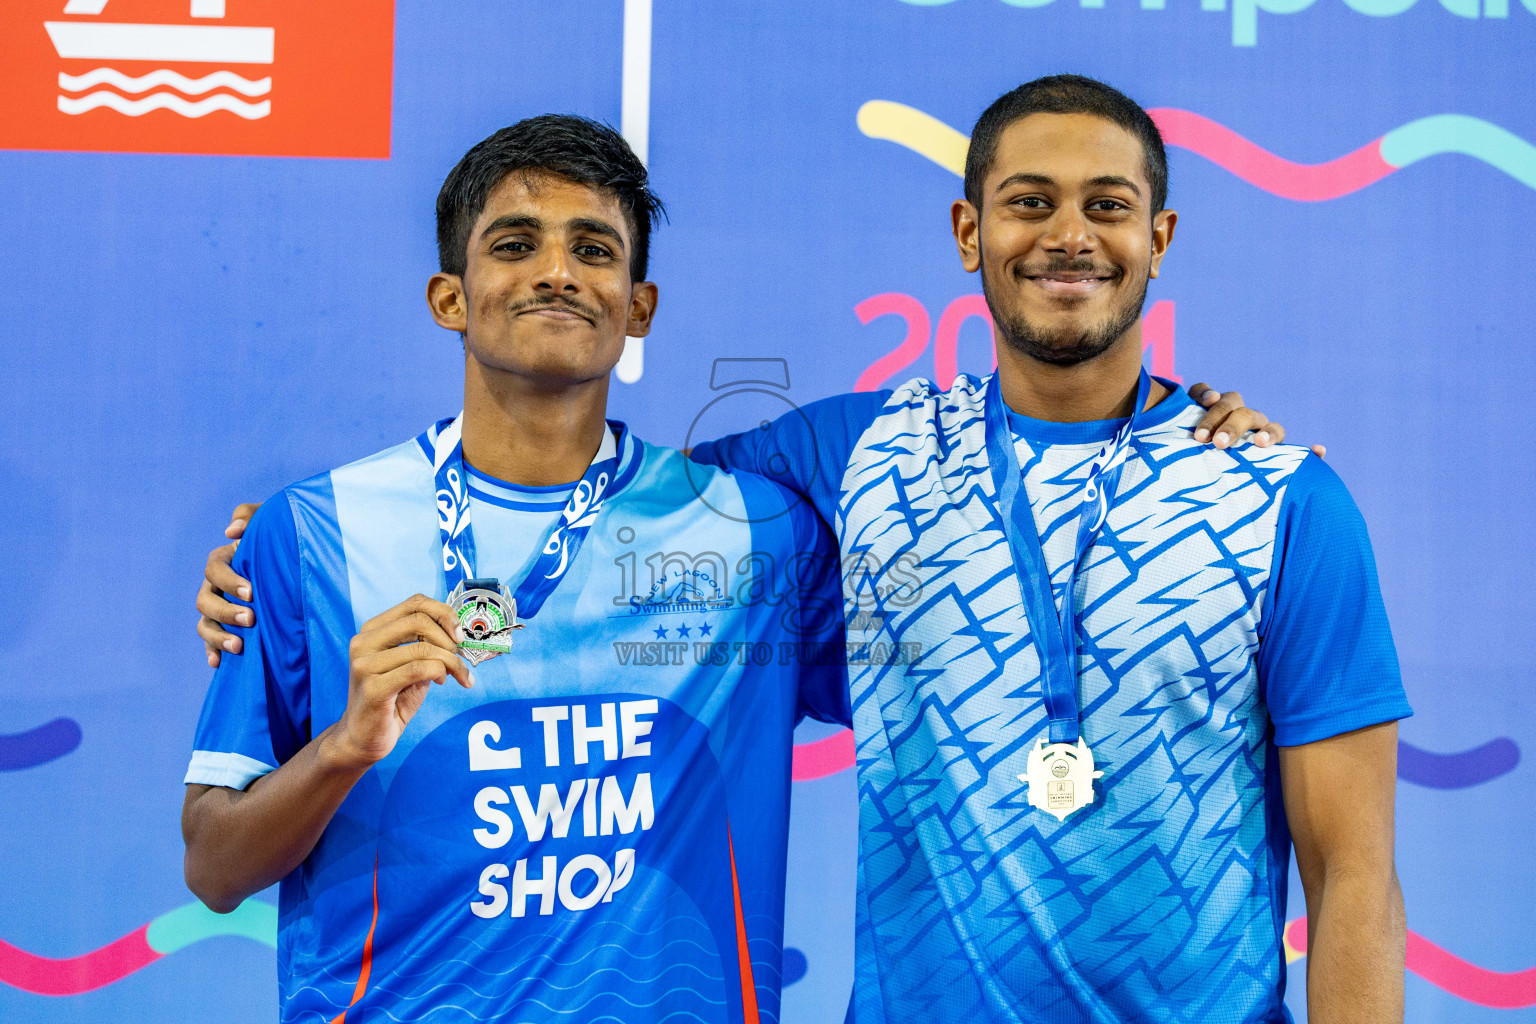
(394, 659)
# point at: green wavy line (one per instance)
(1469, 136)
(180, 928)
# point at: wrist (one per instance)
(338, 754)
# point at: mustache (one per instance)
(557, 302)
(1062, 265)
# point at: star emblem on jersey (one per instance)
(1060, 777)
(487, 616)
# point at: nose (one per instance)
(554, 272)
(1069, 233)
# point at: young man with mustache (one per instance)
(593, 825)
(1089, 572)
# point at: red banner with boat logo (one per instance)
(234, 77)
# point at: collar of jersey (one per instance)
(506, 494)
(1089, 431)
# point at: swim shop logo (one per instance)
(1245, 13)
(231, 77)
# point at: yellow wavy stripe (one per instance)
(919, 132)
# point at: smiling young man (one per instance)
(1148, 667)
(567, 833)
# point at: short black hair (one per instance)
(576, 148)
(1064, 94)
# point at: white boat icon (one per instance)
(210, 44)
(204, 44)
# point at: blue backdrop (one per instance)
(183, 332)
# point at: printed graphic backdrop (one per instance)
(1357, 191)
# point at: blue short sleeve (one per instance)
(818, 623)
(256, 713)
(795, 580)
(1327, 664)
(806, 450)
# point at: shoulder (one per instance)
(671, 482)
(1169, 440)
(672, 478)
(303, 516)
(1319, 510)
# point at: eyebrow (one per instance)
(1102, 181)
(598, 227)
(523, 220)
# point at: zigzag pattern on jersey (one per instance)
(1161, 893)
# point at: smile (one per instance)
(554, 313)
(1069, 284)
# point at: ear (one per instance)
(445, 298)
(965, 221)
(1162, 236)
(642, 307)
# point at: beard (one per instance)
(1063, 347)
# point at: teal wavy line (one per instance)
(1460, 133)
(180, 928)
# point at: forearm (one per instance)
(240, 842)
(1356, 938)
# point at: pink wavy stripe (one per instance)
(1258, 166)
(46, 976)
(1512, 991)
(823, 757)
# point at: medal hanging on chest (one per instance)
(1059, 773)
(486, 608)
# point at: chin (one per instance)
(550, 355)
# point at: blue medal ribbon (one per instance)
(561, 543)
(1054, 629)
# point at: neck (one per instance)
(1101, 388)
(531, 434)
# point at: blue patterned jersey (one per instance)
(1229, 605)
(598, 829)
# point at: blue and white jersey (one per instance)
(1229, 605)
(597, 830)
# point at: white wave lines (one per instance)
(165, 76)
(164, 100)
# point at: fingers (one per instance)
(217, 639)
(415, 626)
(398, 667)
(213, 646)
(238, 520)
(224, 578)
(1203, 393)
(1321, 451)
(413, 631)
(1218, 408)
(1242, 421)
(416, 604)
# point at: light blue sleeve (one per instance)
(256, 713)
(806, 450)
(1327, 664)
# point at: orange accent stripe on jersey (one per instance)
(362, 977)
(743, 956)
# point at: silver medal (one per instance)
(1060, 777)
(487, 616)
